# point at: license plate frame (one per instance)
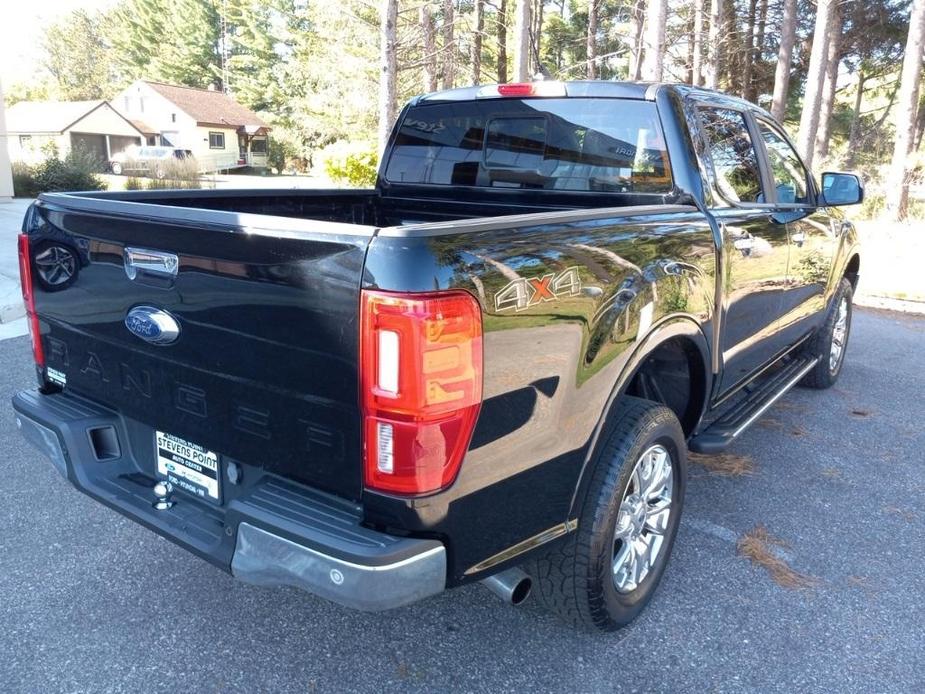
(189, 467)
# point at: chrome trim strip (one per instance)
(521, 547)
(460, 226)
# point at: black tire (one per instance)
(117, 168)
(575, 579)
(824, 374)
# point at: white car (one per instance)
(147, 160)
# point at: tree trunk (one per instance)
(713, 44)
(522, 41)
(731, 62)
(690, 48)
(748, 48)
(897, 191)
(827, 105)
(388, 65)
(592, 39)
(812, 99)
(449, 44)
(788, 35)
(697, 61)
(855, 131)
(502, 41)
(430, 48)
(477, 41)
(653, 62)
(754, 87)
(637, 50)
(537, 34)
(919, 128)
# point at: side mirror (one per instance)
(841, 189)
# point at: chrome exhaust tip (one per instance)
(512, 585)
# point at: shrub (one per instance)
(133, 183)
(24, 180)
(178, 173)
(77, 171)
(284, 155)
(353, 164)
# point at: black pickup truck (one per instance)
(488, 368)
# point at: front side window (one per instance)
(786, 168)
(216, 140)
(562, 144)
(735, 161)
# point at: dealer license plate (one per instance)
(188, 466)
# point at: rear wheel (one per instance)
(830, 343)
(117, 168)
(607, 570)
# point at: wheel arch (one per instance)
(853, 269)
(672, 333)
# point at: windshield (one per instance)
(569, 144)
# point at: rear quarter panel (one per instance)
(566, 299)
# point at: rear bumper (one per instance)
(268, 530)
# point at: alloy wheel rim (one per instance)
(642, 519)
(55, 265)
(839, 335)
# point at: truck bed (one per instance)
(360, 207)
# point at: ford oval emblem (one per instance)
(152, 325)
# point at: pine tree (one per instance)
(254, 61)
(78, 58)
(897, 198)
(173, 41)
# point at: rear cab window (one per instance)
(565, 144)
(735, 160)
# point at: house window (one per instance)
(259, 146)
(216, 140)
(25, 141)
(173, 117)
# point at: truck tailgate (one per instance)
(264, 368)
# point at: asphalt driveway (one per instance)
(92, 602)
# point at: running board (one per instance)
(716, 437)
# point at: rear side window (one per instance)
(786, 168)
(733, 153)
(575, 145)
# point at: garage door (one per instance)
(120, 143)
(92, 145)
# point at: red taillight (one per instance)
(421, 387)
(25, 280)
(516, 89)
(522, 89)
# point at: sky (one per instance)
(21, 32)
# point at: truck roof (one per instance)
(594, 88)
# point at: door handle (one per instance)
(144, 260)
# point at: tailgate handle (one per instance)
(149, 262)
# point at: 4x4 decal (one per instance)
(522, 293)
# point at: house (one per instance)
(221, 133)
(94, 126)
(6, 176)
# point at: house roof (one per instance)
(142, 127)
(47, 116)
(207, 107)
